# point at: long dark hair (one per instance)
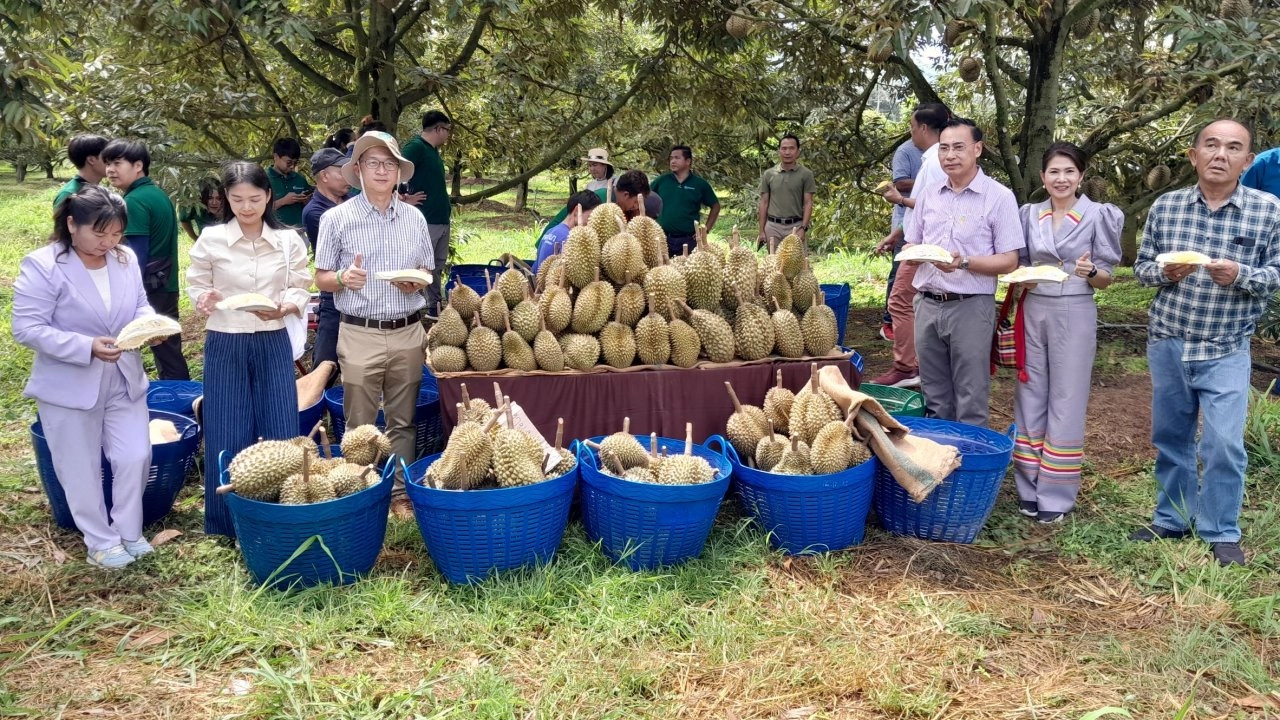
(90, 205)
(240, 172)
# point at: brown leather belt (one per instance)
(383, 324)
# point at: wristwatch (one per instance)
(1093, 272)
(964, 262)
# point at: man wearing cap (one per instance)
(786, 194)
(331, 190)
(427, 191)
(683, 195)
(601, 169)
(380, 338)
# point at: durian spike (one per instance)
(820, 298)
(653, 445)
(506, 318)
(597, 273)
(688, 438)
(511, 421)
(795, 443)
(314, 430)
(617, 312)
(559, 433)
(488, 281)
(497, 394)
(626, 426)
(324, 444)
(735, 238)
(737, 406)
(542, 321)
(459, 406)
(640, 211)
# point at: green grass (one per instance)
(1028, 622)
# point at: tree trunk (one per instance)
(20, 172)
(1129, 239)
(48, 171)
(385, 105)
(1041, 109)
(522, 193)
(456, 189)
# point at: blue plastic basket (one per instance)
(170, 463)
(429, 380)
(647, 525)
(308, 417)
(958, 508)
(429, 428)
(470, 534)
(855, 359)
(175, 396)
(804, 514)
(473, 275)
(336, 541)
(837, 298)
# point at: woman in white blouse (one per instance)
(249, 389)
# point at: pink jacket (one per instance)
(57, 312)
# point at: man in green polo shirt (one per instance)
(152, 234)
(428, 192)
(786, 194)
(289, 189)
(84, 152)
(683, 195)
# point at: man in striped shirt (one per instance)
(976, 219)
(1198, 337)
(380, 337)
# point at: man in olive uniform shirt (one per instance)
(683, 195)
(84, 152)
(289, 189)
(152, 233)
(786, 194)
(427, 191)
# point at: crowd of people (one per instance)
(376, 206)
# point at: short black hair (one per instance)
(432, 118)
(287, 147)
(586, 199)
(933, 115)
(83, 147)
(974, 130)
(90, 205)
(1068, 150)
(131, 151)
(685, 150)
(632, 181)
(371, 126)
(789, 136)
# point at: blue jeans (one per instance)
(1219, 391)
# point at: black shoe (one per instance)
(1028, 508)
(1045, 517)
(1153, 532)
(1227, 553)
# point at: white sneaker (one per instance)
(113, 558)
(138, 548)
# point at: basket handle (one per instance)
(726, 448)
(585, 456)
(389, 469)
(1012, 431)
(222, 467)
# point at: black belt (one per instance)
(947, 297)
(784, 221)
(382, 324)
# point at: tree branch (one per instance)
(309, 72)
(410, 97)
(209, 134)
(258, 72)
(408, 19)
(334, 50)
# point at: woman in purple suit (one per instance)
(70, 300)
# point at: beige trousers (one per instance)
(775, 230)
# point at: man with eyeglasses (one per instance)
(289, 189)
(380, 337)
(976, 219)
(1198, 331)
(427, 191)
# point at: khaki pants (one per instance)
(383, 368)
(776, 230)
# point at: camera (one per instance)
(404, 189)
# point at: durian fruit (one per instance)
(739, 278)
(703, 274)
(493, 306)
(788, 339)
(746, 426)
(622, 256)
(349, 478)
(546, 350)
(625, 447)
(297, 488)
(639, 474)
(448, 359)
(795, 459)
(593, 306)
(1095, 187)
(970, 69)
(610, 463)
(465, 300)
(753, 333)
(581, 351)
(258, 471)
(307, 444)
(525, 318)
(473, 410)
(517, 458)
(678, 262)
(630, 303)
(1234, 9)
(323, 466)
(450, 329)
(767, 264)
(686, 344)
(513, 284)
(714, 333)
(880, 49)
(1158, 177)
(832, 448)
(769, 451)
(952, 32)
(738, 26)
(791, 254)
(550, 271)
(605, 219)
(484, 347)
(516, 352)
(653, 239)
(667, 285)
(365, 445)
(653, 341)
(777, 405)
(618, 342)
(1085, 26)
(819, 328)
(556, 307)
(686, 469)
(804, 288)
(320, 489)
(466, 459)
(567, 460)
(655, 457)
(811, 409)
(581, 255)
(777, 291)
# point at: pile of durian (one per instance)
(293, 472)
(622, 455)
(801, 433)
(611, 297)
(483, 453)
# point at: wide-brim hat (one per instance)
(599, 155)
(372, 139)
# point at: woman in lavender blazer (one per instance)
(71, 298)
(1082, 237)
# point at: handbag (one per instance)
(1007, 345)
(295, 325)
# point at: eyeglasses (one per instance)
(445, 128)
(374, 165)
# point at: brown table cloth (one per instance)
(660, 401)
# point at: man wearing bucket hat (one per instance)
(601, 169)
(380, 337)
(331, 190)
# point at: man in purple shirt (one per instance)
(976, 219)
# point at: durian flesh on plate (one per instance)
(1183, 257)
(248, 302)
(412, 275)
(145, 329)
(1036, 274)
(924, 253)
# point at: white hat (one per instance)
(375, 138)
(599, 155)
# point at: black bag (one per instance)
(155, 276)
